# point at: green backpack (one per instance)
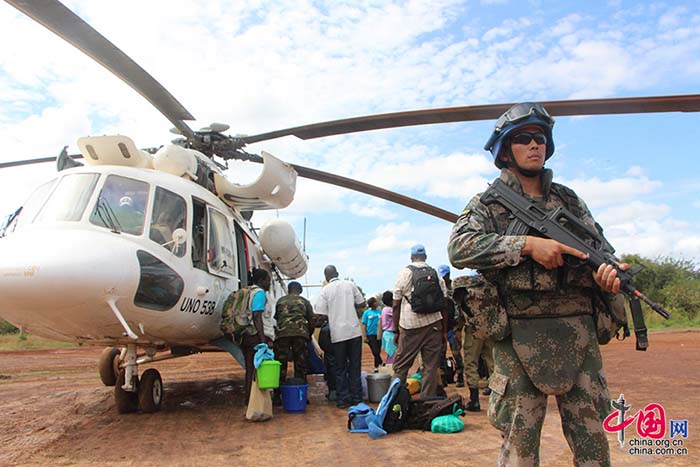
(236, 317)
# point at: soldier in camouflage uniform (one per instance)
(546, 341)
(294, 315)
(474, 349)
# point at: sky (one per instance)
(263, 65)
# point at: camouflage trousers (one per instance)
(517, 409)
(294, 349)
(473, 349)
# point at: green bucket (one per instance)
(269, 374)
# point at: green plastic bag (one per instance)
(448, 423)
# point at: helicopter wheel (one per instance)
(109, 366)
(126, 402)
(150, 391)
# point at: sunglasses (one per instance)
(525, 138)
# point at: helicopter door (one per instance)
(243, 258)
(199, 234)
(221, 256)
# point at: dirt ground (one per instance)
(56, 412)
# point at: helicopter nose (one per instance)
(47, 273)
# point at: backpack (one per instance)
(324, 338)
(359, 417)
(388, 404)
(424, 411)
(427, 296)
(398, 411)
(236, 317)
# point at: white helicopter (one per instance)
(147, 245)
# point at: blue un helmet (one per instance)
(520, 116)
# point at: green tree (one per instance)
(672, 282)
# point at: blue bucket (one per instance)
(294, 398)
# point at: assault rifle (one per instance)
(561, 225)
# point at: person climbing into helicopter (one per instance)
(248, 307)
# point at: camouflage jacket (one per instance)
(479, 240)
(294, 315)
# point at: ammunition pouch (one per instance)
(610, 317)
(532, 276)
(480, 300)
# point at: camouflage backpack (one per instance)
(480, 300)
(236, 317)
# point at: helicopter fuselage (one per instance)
(120, 255)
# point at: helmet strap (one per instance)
(525, 172)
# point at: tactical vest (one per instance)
(528, 290)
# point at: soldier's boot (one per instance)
(460, 380)
(473, 404)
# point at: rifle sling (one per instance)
(640, 329)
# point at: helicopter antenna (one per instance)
(304, 239)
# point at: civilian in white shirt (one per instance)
(338, 300)
(416, 333)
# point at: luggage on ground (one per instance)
(424, 411)
(359, 417)
(448, 423)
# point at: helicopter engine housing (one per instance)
(280, 243)
(113, 150)
(176, 160)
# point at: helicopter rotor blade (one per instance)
(58, 19)
(40, 160)
(371, 190)
(355, 185)
(623, 105)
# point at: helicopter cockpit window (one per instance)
(169, 213)
(26, 213)
(220, 253)
(68, 200)
(121, 205)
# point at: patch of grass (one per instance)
(7, 328)
(677, 320)
(30, 342)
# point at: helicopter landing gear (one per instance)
(109, 366)
(132, 393)
(126, 388)
(126, 401)
(150, 392)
